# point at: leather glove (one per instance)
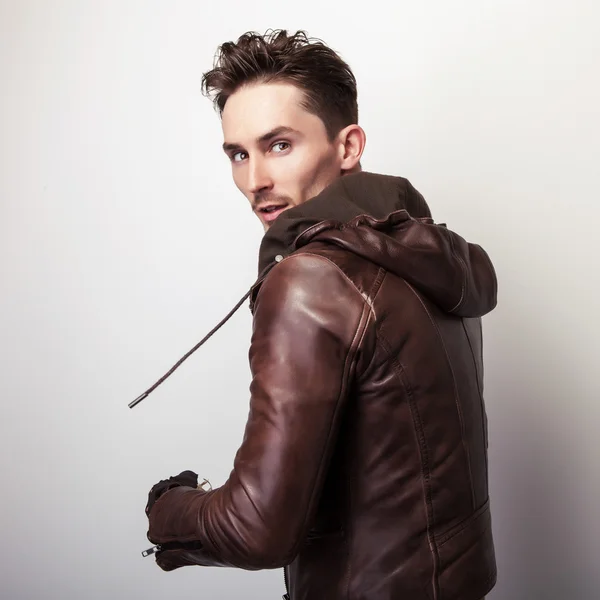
(185, 478)
(173, 555)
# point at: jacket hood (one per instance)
(385, 220)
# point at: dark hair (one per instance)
(328, 83)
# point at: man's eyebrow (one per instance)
(275, 133)
(229, 147)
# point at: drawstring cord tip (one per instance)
(138, 400)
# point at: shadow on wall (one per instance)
(536, 469)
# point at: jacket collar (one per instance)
(348, 197)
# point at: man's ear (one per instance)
(352, 140)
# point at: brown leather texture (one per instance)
(363, 468)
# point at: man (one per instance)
(363, 468)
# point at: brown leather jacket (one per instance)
(363, 468)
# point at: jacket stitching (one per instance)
(458, 409)
(350, 530)
(446, 537)
(377, 283)
(366, 302)
(424, 453)
(473, 542)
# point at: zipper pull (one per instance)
(152, 550)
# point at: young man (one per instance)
(363, 469)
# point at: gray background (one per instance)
(123, 240)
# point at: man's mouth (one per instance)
(271, 211)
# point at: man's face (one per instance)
(280, 153)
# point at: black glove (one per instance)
(185, 478)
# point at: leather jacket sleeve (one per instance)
(309, 321)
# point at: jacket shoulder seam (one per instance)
(366, 299)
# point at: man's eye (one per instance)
(280, 147)
(238, 156)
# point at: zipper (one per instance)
(151, 551)
(191, 546)
(286, 596)
(159, 548)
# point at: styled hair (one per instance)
(328, 84)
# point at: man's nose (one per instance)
(258, 176)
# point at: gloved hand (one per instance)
(173, 555)
(185, 478)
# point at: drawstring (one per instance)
(261, 276)
(188, 354)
